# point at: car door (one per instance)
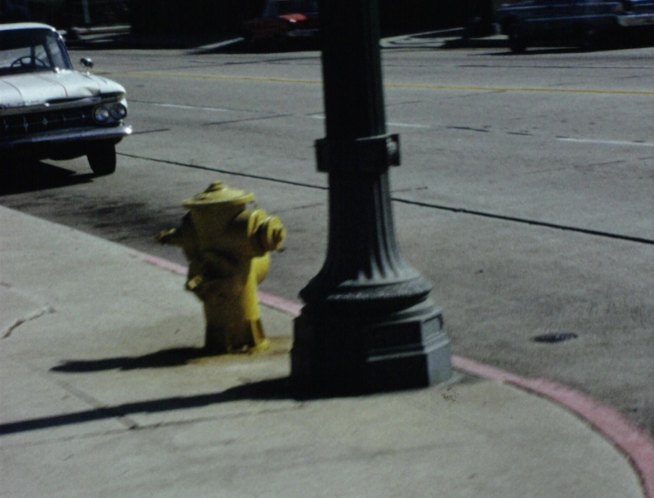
(595, 12)
(554, 18)
(591, 18)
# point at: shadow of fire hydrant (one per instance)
(228, 247)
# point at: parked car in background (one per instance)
(283, 21)
(580, 22)
(48, 110)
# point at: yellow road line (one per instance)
(403, 86)
(492, 89)
(218, 77)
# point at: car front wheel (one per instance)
(102, 159)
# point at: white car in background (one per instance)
(48, 110)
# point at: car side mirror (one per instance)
(87, 62)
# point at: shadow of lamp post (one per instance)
(368, 323)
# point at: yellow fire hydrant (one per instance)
(228, 247)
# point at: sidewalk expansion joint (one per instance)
(98, 405)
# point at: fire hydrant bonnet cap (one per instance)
(219, 193)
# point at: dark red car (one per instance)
(283, 21)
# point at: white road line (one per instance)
(193, 107)
(607, 142)
(391, 123)
(420, 126)
(407, 125)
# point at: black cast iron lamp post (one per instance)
(368, 323)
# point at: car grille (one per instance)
(21, 125)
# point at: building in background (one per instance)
(15, 11)
(65, 13)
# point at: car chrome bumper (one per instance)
(62, 137)
(636, 20)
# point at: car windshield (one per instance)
(30, 50)
(280, 7)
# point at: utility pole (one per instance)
(368, 323)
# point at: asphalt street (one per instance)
(503, 158)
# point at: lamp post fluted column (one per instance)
(368, 323)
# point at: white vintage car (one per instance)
(50, 110)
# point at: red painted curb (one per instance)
(630, 440)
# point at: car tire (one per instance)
(102, 159)
(517, 40)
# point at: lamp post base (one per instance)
(341, 352)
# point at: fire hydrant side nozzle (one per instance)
(228, 247)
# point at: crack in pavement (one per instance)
(8, 330)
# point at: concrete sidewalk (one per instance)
(105, 393)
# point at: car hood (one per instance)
(26, 90)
